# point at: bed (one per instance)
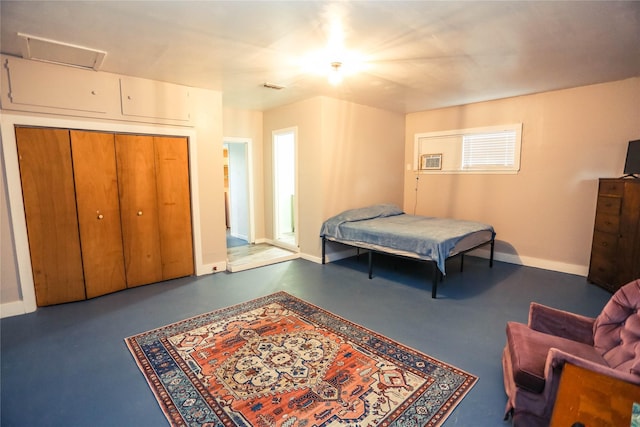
(385, 228)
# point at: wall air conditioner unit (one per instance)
(431, 161)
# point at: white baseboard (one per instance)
(341, 254)
(10, 309)
(312, 258)
(545, 264)
(240, 236)
(215, 267)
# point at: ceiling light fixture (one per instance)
(334, 62)
(335, 75)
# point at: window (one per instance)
(493, 149)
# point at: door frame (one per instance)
(16, 203)
(248, 143)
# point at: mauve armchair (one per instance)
(535, 353)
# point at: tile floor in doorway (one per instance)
(243, 256)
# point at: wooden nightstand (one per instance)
(593, 399)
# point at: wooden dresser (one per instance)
(615, 252)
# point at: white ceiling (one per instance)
(418, 55)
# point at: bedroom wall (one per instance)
(544, 215)
(349, 156)
(306, 116)
(248, 124)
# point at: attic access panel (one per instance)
(47, 50)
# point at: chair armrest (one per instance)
(561, 323)
(557, 358)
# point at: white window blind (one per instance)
(491, 150)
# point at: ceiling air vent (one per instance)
(272, 86)
(47, 50)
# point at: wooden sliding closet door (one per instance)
(138, 208)
(94, 165)
(50, 211)
(174, 206)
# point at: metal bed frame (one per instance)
(437, 274)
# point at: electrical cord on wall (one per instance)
(415, 205)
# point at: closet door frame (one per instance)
(8, 122)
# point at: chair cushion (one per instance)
(529, 348)
(616, 331)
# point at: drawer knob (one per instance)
(100, 216)
(139, 213)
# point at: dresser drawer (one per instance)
(607, 223)
(605, 243)
(609, 205)
(601, 270)
(614, 188)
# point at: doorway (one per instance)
(238, 191)
(285, 219)
(243, 252)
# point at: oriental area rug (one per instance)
(279, 361)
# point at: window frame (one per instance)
(450, 144)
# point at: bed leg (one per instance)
(324, 242)
(434, 285)
(493, 243)
(370, 263)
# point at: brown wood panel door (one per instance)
(174, 206)
(50, 210)
(138, 209)
(94, 165)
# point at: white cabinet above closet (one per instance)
(41, 87)
(38, 84)
(149, 98)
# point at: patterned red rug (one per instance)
(280, 361)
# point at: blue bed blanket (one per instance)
(388, 226)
